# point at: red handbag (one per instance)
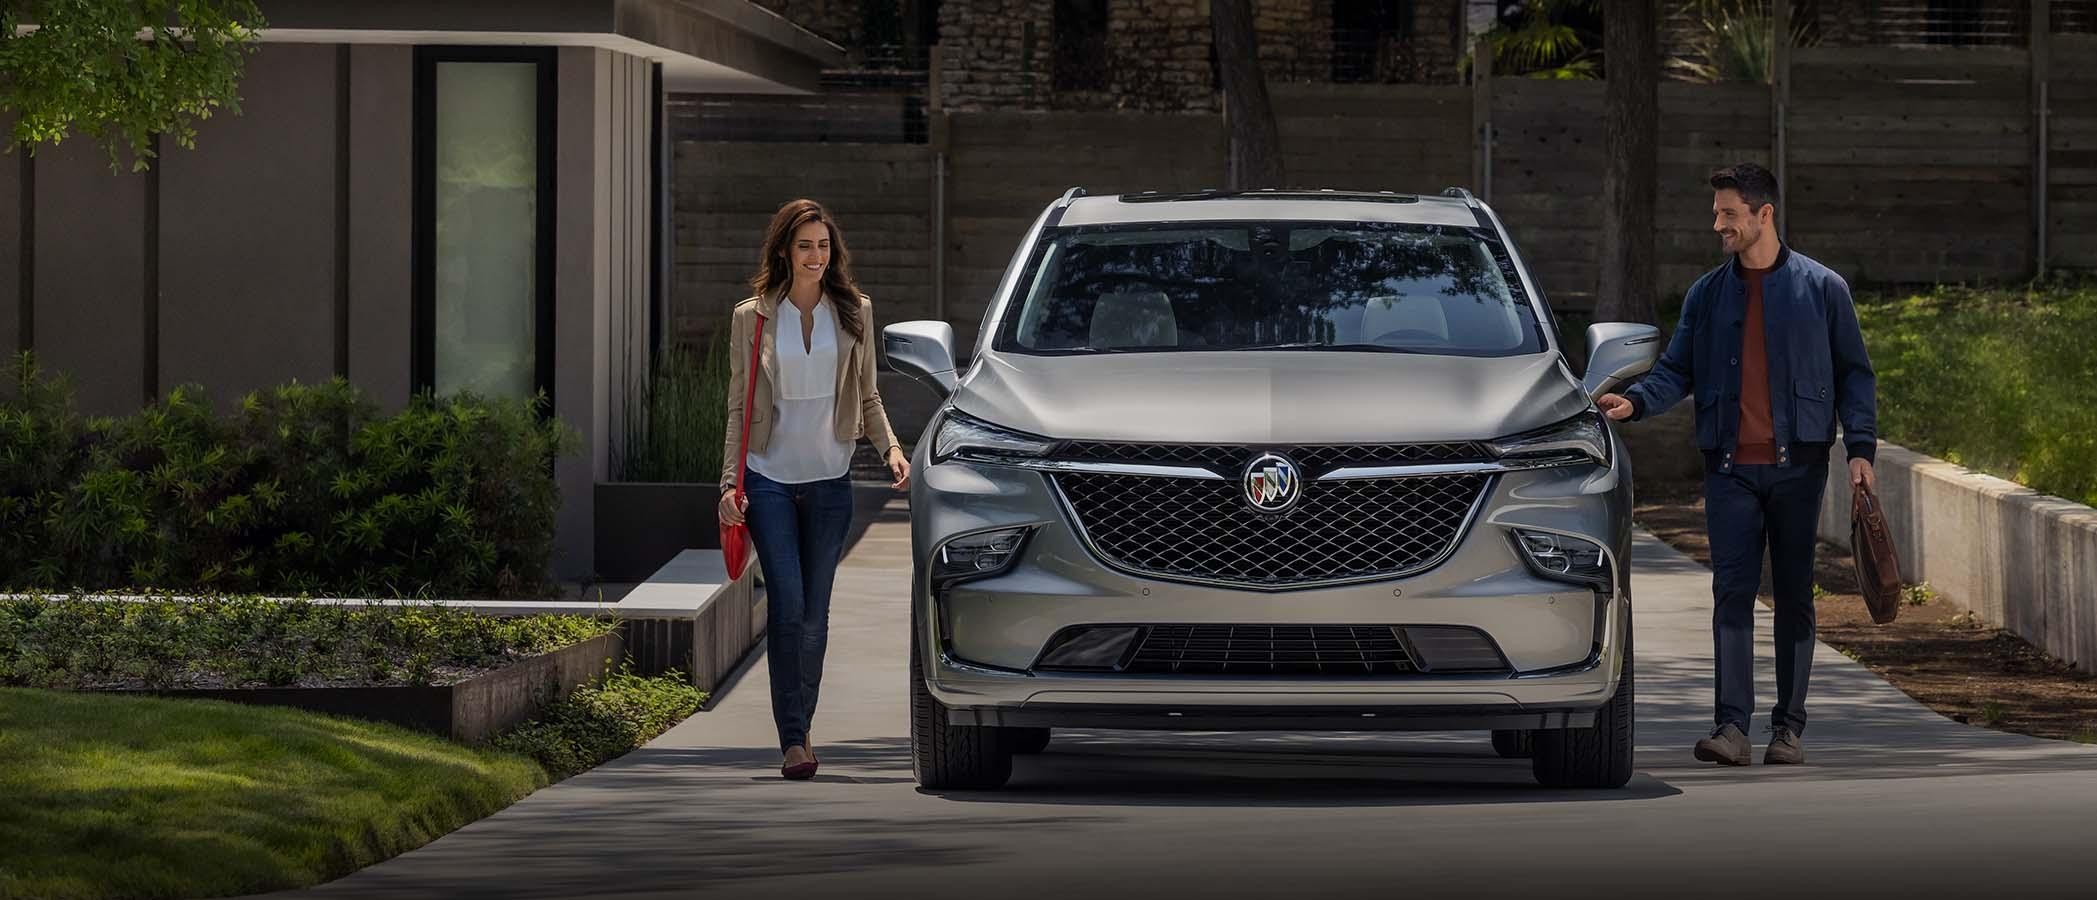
(736, 548)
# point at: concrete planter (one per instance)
(2018, 559)
(471, 711)
(642, 525)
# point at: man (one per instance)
(1769, 347)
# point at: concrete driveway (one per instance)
(1896, 802)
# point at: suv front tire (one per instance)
(944, 756)
(1598, 757)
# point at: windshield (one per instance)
(1294, 286)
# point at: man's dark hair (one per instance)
(1755, 184)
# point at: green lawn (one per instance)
(2001, 381)
(104, 796)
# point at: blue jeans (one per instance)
(799, 530)
(1745, 510)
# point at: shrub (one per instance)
(302, 489)
(1994, 380)
(683, 419)
(603, 720)
(243, 641)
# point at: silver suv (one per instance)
(1270, 460)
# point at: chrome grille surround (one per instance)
(1203, 531)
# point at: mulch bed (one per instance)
(1935, 652)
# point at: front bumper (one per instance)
(1562, 641)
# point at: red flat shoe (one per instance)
(799, 772)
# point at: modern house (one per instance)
(415, 195)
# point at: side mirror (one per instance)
(1618, 352)
(924, 351)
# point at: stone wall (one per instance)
(995, 54)
(1158, 52)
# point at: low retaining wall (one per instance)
(690, 617)
(2020, 560)
(471, 711)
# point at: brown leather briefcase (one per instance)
(1871, 550)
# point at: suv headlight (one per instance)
(1583, 435)
(963, 435)
(978, 555)
(1565, 558)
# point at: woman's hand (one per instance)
(732, 506)
(899, 465)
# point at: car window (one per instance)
(1298, 286)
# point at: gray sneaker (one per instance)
(1726, 746)
(1785, 748)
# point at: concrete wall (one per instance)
(1911, 166)
(381, 198)
(248, 232)
(1546, 177)
(727, 192)
(225, 265)
(2020, 560)
(11, 246)
(600, 274)
(90, 269)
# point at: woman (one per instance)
(815, 397)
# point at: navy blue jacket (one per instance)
(1819, 373)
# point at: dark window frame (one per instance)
(423, 323)
(1081, 60)
(1358, 32)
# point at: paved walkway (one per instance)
(1897, 802)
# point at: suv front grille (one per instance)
(1203, 529)
(1257, 650)
(1228, 460)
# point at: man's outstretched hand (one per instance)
(1616, 406)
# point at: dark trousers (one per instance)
(799, 531)
(1746, 510)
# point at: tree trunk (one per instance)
(1255, 141)
(1631, 63)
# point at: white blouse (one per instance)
(804, 446)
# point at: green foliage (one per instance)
(1551, 39)
(303, 489)
(1995, 380)
(1731, 40)
(161, 642)
(109, 796)
(679, 436)
(85, 66)
(603, 720)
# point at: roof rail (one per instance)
(1461, 194)
(1062, 204)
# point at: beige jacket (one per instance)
(859, 409)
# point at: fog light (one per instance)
(1565, 558)
(978, 555)
(1100, 648)
(1443, 648)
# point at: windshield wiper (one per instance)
(1321, 345)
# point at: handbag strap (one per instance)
(742, 465)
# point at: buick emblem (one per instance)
(1273, 483)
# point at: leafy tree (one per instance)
(121, 71)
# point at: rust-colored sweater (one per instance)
(1758, 441)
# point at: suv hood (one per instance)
(1263, 397)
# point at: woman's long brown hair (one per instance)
(775, 272)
